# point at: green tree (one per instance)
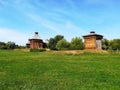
(115, 44)
(10, 45)
(76, 43)
(58, 38)
(53, 42)
(2, 45)
(63, 44)
(105, 44)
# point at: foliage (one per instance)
(52, 44)
(115, 44)
(105, 44)
(2, 45)
(76, 43)
(8, 45)
(58, 42)
(38, 50)
(63, 45)
(53, 41)
(45, 45)
(58, 38)
(21, 70)
(111, 44)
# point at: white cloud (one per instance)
(70, 26)
(44, 22)
(66, 28)
(13, 35)
(111, 32)
(2, 2)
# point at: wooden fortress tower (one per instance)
(35, 42)
(93, 41)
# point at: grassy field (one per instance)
(20, 70)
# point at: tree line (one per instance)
(9, 45)
(111, 44)
(60, 43)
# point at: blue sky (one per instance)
(19, 19)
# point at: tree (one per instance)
(2, 45)
(53, 42)
(105, 44)
(76, 43)
(63, 44)
(10, 45)
(58, 38)
(115, 44)
(45, 45)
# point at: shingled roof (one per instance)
(36, 36)
(92, 33)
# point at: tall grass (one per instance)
(20, 70)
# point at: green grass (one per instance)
(20, 70)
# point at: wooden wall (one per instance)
(90, 43)
(35, 44)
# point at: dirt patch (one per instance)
(76, 52)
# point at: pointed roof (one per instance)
(92, 33)
(36, 36)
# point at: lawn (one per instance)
(21, 70)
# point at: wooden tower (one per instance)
(92, 41)
(36, 42)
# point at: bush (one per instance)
(63, 45)
(76, 44)
(53, 42)
(115, 44)
(38, 50)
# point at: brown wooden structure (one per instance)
(35, 42)
(92, 41)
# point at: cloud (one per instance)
(71, 26)
(44, 22)
(74, 29)
(2, 2)
(111, 32)
(66, 28)
(13, 35)
(6, 2)
(18, 1)
(67, 17)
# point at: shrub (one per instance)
(38, 50)
(53, 42)
(63, 45)
(76, 44)
(42, 49)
